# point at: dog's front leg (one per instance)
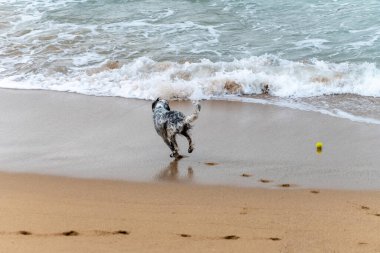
(173, 141)
(169, 144)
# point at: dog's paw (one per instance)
(190, 150)
(175, 155)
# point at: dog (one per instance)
(170, 123)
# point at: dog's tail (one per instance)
(189, 119)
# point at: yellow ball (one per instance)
(319, 145)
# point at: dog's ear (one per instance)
(154, 103)
(166, 106)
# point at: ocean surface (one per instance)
(318, 56)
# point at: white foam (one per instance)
(145, 78)
(86, 59)
(369, 29)
(312, 43)
(306, 107)
(367, 43)
(168, 13)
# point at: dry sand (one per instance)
(237, 144)
(116, 216)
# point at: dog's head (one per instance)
(160, 103)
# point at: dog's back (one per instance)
(169, 123)
(165, 121)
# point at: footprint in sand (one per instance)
(364, 207)
(367, 209)
(211, 163)
(287, 185)
(75, 233)
(70, 233)
(275, 239)
(244, 210)
(121, 232)
(231, 237)
(314, 191)
(24, 232)
(105, 233)
(227, 237)
(265, 181)
(246, 175)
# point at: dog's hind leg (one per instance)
(188, 137)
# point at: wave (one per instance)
(145, 78)
(289, 81)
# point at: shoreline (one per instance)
(50, 213)
(236, 144)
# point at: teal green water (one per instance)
(334, 31)
(223, 30)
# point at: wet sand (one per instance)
(252, 148)
(55, 214)
(113, 138)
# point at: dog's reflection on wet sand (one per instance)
(171, 173)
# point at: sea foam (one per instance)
(145, 78)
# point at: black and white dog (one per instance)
(170, 123)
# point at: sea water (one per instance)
(309, 55)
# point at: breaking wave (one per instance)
(144, 78)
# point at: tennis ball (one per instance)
(319, 145)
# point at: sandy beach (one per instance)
(286, 152)
(89, 174)
(53, 214)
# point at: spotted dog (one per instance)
(170, 123)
